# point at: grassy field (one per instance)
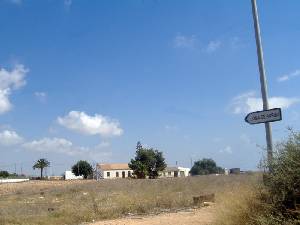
(76, 202)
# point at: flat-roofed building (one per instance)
(175, 171)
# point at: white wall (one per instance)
(13, 180)
(71, 176)
(185, 170)
(167, 174)
(113, 173)
(181, 170)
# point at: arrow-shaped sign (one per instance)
(265, 116)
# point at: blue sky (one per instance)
(88, 79)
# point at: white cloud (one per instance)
(55, 145)
(181, 41)
(63, 146)
(190, 42)
(9, 81)
(8, 138)
(58, 145)
(5, 104)
(41, 96)
(213, 46)
(249, 102)
(289, 76)
(227, 150)
(90, 125)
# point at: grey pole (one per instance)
(263, 80)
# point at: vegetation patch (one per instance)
(75, 202)
(275, 201)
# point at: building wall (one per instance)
(54, 177)
(71, 176)
(186, 171)
(167, 174)
(182, 172)
(114, 174)
(13, 180)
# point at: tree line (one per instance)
(147, 163)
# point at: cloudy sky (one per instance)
(88, 79)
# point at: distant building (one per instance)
(235, 171)
(175, 171)
(226, 171)
(71, 176)
(54, 177)
(113, 171)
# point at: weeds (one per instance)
(85, 201)
(276, 200)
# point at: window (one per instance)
(108, 174)
(117, 174)
(129, 173)
(169, 173)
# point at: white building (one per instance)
(113, 171)
(71, 176)
(175, 171)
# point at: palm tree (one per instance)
(41, 164)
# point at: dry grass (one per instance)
(60, 202)
(238, 206)
(247, 204)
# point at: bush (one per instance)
(283, 182)
(274, 202)
(4, 174)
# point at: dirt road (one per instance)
(203, 216)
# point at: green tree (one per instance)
(206, 166)
(82, 168)
(147, 162)
(41, 164)
(4, 174)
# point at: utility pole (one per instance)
(263, 81)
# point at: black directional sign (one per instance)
(264, 116)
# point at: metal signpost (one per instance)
(263, 81)
(265, 116)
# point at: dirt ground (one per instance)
(203, 216)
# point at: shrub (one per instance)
(274, 201)
(283, 182)
(4, 174)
